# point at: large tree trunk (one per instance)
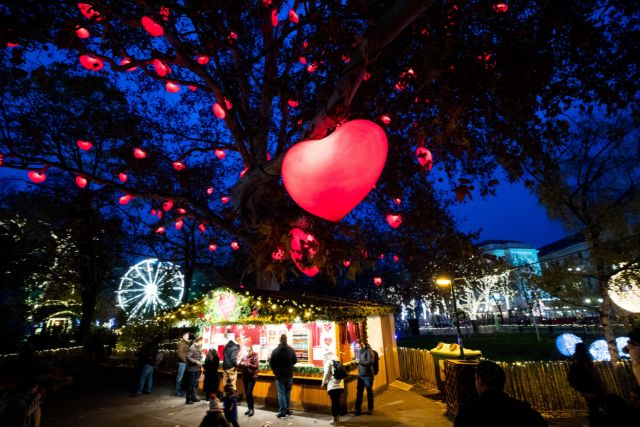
(89, 296)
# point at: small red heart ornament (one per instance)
(331, 176)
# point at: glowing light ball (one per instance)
(235, 245)
(167, 205)
(124, 199)
(346, 263)
(394, 220)
(624, 290)
(123, 177)
(160, 230)
(172, 87)
(89, 12)
(179, 224)
(219, 111)
(377, 281)
(84, 145)
(385, 119)
(37, 177)
(293, 16)
(224, 200)
(152, 27)
(331, 176)
(621, 343)
(81, 182)
(139, 153)
(82, 33)
(220, 154)
(600, 350)
(212, 247)
(91, 63)
(178, 165)
(566, 344)
(303, 244)
(202, 59)
(424, 158)
(500, 7)
(161, 68)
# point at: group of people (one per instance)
(223, 407)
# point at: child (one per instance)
(214, 417)
(230, 402)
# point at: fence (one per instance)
(543, 384)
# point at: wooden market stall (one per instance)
(312, 324)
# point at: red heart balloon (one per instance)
(152, 27)
(331, 176)
(91, 63)
(394, 220)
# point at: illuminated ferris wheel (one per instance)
(150, 286)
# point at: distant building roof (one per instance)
(561, 244)
(503, 244)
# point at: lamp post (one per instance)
(444, 282)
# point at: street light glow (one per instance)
(443, 281)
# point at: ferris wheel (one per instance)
(150, 286)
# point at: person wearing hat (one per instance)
(633, 349)
(194, 364)
(493, 406)
(215, 416)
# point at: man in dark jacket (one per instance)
(230, 362)
(494, 407)
(181, 351)
(364, 359)
(194, 364)
(281, 362)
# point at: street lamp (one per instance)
(446, 282)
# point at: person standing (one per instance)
(147, 359)
(181, 351)
(281, 362)
(230, 362)
(493, 406)
(633, 348)
(193, 356)
(584, 378)
(248, 367)
(211, 377)
(364, 359)
(21, 408)
(334, 386)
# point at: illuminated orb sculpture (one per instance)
(150, 286)
(599, 350)
(566, 344)
(621, 342)
(624, 290)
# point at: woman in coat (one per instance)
(334, 386)
(248, 366)
(211, 377)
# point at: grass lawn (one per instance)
(502, 346)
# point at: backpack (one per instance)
(339, 371)
(376, 362)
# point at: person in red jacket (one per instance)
(248, 367)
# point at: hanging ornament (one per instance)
(37, 177)
(381, 256)
(293, 17)
(396, 258)
(84, 145)
(624, 290)
(500, 7)
(91, 62)
(243, 171)
(292, 103)
(172, 87)
(278, 254)
(167, 205)
(89, 12)
(224, 200)
(81, 181)
(303, 245)
(179, 224)
(397, 201)
(165, 12)
(385, 119)
(124, 199)
(346, 263)
(123, 177)
(202, 228)
(161, 68)
(424, 158)
(139, 153)
(377, 281)
(212, 247)
(235, 245)
(178, 165)
(220, 154)
(210, 190)
(160, 230)
(126, 61)
(152, 27)
(202, 59)
(82, 33)
(313, 67)
(192, 88)
(274, 18)
(331, 176)
(182, 211)
(219, 111)
(394, 220)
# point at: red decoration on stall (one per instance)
(81, 181)
(224, 199)
(424, 158)
(331, 176)
(161, 68)
(220, 154)
(37, 177)
(293, 16)
(303, 245)
(235, 245)
(84, 145)
(139, 153)
(179, 224)
(167, 205)
(124, 199)
(274, 18)
(152, 27)
(123, 177)
(219, 111)
(172, 87)
(91, 62)
(202, 59)
(500, 7)
(346, 263)
(89, 12)
(394, 220)
(377, 281)
(82, 32)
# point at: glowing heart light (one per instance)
(331, 176)
(179, 224)
(172, 87)
(124, 199)
(377, 281)
(139, 153)
(202, 228)
(274, 18)
(397, 201)
(37, 177)
(424, 158)
(210, 190)
(123, 177)
(293, 17)
(81, 181)
(219, 111)
(152, 27)
(161, 68)
(394, 220)
(160, 230)
(182, 211)
(346, 263)
(89, 12)
(224, 200)
(84, 145)
(178, 165)
(167, 205)
(220, 154)
(91, 63)
(82, 33)
(500, 7)
(212, 247)
(303, 245)
(385, 119)
(235, 245)
(202, 59)
(278, 254)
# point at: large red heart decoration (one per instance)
(303, 244)
(226, 304)
(329, 177)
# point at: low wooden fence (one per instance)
(543, 384)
